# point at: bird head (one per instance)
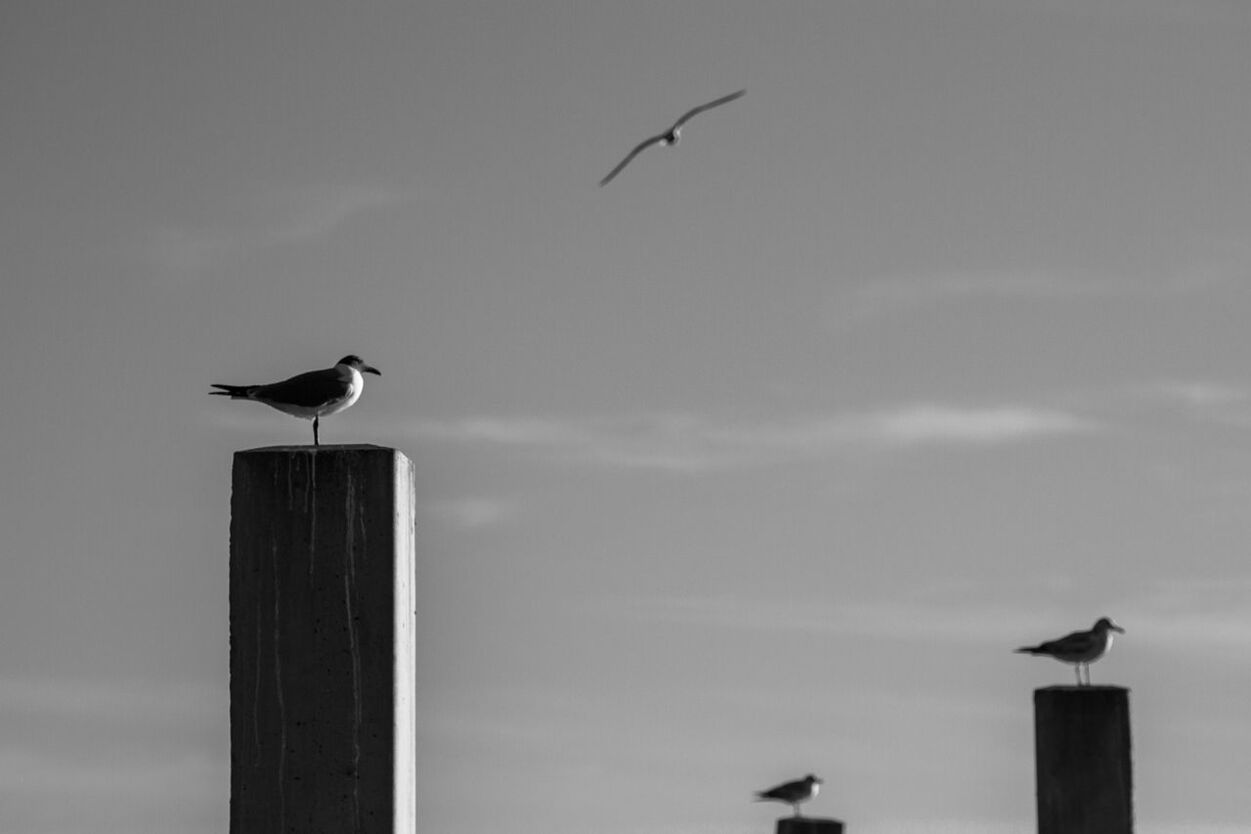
(1106, 624)
(354, 361)
(813, 780)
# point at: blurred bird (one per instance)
(1081, 648)
(670, 136)
(792, 793)
(311, 395)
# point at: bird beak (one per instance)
(1116, 627)
(369, 370)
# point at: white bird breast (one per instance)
(355, 386)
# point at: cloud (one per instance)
(1184, 615)
(688, 443)
(1176, 616)
(1173, 404)
(1196, 393)
(930, 826)
(191, 774)
(111, 754)
(83, 698)
(905, 619)
(942, 424)
(471, 513)
(1223, 264)
(266, 218)
(884, 294)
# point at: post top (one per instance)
(809, 825)
(1072, 689)
(265, 455)
(343, 447)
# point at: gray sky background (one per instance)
(757, 462)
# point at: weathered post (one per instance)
(808, 825)
(1082, 754)
(322, 641)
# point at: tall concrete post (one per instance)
(808, 825)
(1082, 754)
(322, 641)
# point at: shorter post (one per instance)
(809, 825)
(1082, 759)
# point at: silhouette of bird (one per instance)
(670, 136)
(311, 395)
(1081, 648)
(792, 793)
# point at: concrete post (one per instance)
(322, 641)
(808, 825)
(1082, 754)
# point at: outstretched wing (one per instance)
(690, 114)
(642, 146)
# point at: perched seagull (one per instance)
(312, 395)
(1081, 648)
(670, 136)
(792, 793)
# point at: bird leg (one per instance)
(1077, 668)
(316, 419)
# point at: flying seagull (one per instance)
(1081, 648)
(792, 793)
(670, 136)
(311, 395)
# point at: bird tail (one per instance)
(1029, 649)
(235, 392)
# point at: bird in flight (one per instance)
(792, 793)
(311, 395)
(1081, 648)
(670, 136)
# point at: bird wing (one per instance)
(642, 146)
(785, 792)
(690, 114)
(307, 390)
(1079, 642)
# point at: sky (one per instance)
(757, 462)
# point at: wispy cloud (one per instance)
(1183, 615)
(911, 290)
(30, 772)
(1166, 11)
(889, 293)
(1198, 394)
(1177, 616)
(471, 513)
(1224, 264)
(266, 218)
(946, 424)
(897, 619)
(106, 699)
(1205, 401)
(688, 443)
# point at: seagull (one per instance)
(310, 395)
(1081, 648)
(792, 793)
(670, 136)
